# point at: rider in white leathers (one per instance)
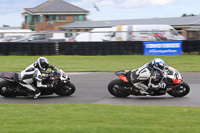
(144, 73)
(33, 73)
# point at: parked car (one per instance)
(13, 38)
(39, 37)
(14, 32)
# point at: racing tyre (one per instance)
(117, 88)
(6, 89)
(66, 90)
(180, 91)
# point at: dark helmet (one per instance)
(158, 63)
(43, 63)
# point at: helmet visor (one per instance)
(161, 66)
(43, 64)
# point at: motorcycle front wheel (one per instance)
(66, 90)
(116, 88)
(180, 91)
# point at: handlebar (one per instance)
(54, 74)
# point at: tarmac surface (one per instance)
(91, 88)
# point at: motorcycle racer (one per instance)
(33, 73)
(148, 71)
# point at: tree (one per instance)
(188, 15)
(6, 26)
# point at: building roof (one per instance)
(56, 6)
(10, 28)
(88, 24)
(175, 21)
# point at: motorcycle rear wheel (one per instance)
(6, 89)
(66, 90)
(180, 91)
(114, 88)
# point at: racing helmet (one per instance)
(158, 63)
(43, 63)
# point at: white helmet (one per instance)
(158, 63)
(43, 63)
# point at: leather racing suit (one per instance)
(142, 74)
(29, 75)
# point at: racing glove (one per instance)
(162, 85)
(52, 67)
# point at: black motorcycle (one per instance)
(57, 80)
(175, 86)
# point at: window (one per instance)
(41, 37)
(78, 17)
(38, 19)
(37, 37)
(41, 19)
(80, 30)
(30, 20)
(179, 30)
(48, 18)
(81, 18)
(51, 18)
(61, 18)
(68, 35)
(173, 32)
(50, 35)
(1, 35)
(192, 35)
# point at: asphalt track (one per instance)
(92, 89)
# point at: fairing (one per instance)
(122, 75)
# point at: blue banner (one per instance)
(163, 48)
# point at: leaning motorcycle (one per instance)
(57, 80)
(175, 86)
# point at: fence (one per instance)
(19, 48)
(191, 46)
(101, 48)
(85, 48)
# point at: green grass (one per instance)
(98, 119)
(185, 63)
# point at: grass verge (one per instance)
(184, 63)
(98, 119)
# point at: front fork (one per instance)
(61, 83)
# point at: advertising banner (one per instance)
(163, 48)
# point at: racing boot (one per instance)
(36, 96)
(142, 88)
